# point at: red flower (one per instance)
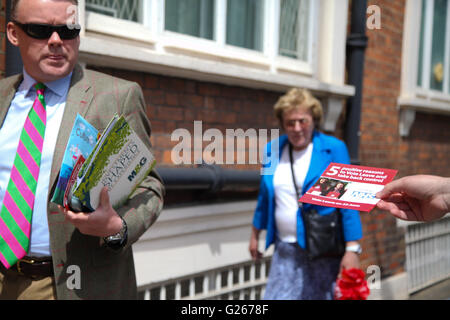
(351, 285)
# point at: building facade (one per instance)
(218, 65)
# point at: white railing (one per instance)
(245, 281)
(427, 253)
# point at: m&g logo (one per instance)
(137, 169)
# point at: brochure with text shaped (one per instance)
(119, 161)
(82, 140)
(348, 187)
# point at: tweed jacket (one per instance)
(103, 273)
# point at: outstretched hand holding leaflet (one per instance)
(416, 198)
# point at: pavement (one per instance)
(439, 291)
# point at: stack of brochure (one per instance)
(119, 161)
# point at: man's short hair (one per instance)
(15, 3)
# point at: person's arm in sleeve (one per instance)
(259, 222)
(146, 203)
(143, 206)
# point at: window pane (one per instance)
(294, 25)
(191, 17)
(438, 45)
(245, 23)
(122, 9)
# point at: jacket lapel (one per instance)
(78, 100)
(7, 94)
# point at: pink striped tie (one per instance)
(17, 209)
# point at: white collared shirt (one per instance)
(55, 99)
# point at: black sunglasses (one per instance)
(45, 31)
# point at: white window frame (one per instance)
(412, 97)
(428, 36)
(147, 47)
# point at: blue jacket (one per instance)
(326, 149)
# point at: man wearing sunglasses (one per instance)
(66, 255)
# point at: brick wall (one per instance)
(425, 150)
(383, 243)
(174, 103)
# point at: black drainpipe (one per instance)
(356, 46)
(209, 178)
(13, 60)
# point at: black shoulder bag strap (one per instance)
(293, 175)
